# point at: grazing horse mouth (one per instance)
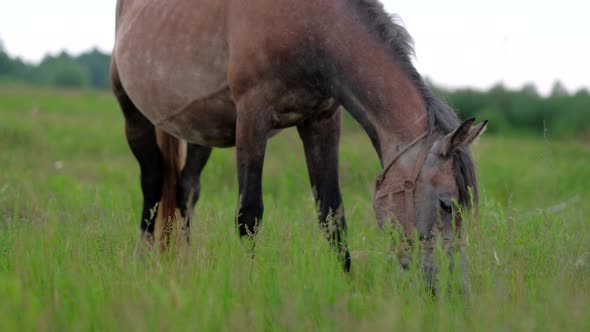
(405, 249)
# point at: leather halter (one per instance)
(408, 185)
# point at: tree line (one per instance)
(88, 70)
(509, 111)
(525, 111)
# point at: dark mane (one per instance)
(441, 117)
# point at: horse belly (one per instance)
(170, 55)
(208, 122)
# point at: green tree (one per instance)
(558, 89)
(530, 89)
(61, 70)
(97, 65)
(6, 63)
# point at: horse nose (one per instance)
(429, 269)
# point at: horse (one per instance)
(193, 75)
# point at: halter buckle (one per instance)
(409, 184)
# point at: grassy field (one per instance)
(69, 211)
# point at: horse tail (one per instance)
(173, 151)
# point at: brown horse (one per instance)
(220, 73)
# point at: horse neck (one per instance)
(375, 88)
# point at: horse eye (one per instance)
(446, 206)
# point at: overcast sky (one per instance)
(459, 43)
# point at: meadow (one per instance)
(69, 215)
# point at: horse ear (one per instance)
(464, 135)
(475, 132)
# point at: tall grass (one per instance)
(69, 211)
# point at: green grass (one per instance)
(69, 211)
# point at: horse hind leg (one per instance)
(189, 185)
(142, 140)
(321, 137)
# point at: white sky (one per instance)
(459, 42)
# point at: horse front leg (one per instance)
(252, 128)
(321, 137)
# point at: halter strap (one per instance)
(381, 175)
(408, 185)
